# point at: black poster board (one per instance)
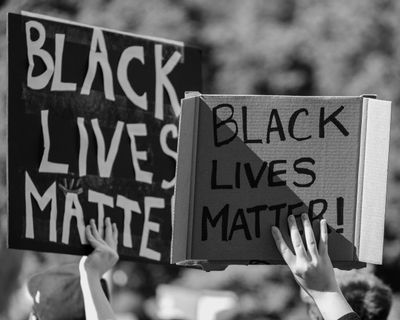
(92, 133)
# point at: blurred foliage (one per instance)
(303, 47)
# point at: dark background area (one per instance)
(292, 47)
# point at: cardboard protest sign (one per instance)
(247, 162)
(93, 123)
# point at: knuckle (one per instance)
(309, 268)
(297, 244)
(312, 243)
(298, 271)
(303, 269)
(115, 260)
(314, 264)
(284, 249)
(114, 256)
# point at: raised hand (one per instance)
(104, 255)
(312, 267)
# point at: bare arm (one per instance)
(92, 268)
(312, 267)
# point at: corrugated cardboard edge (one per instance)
(360, 178)
(196, 98)
(214, 265)
(187, 142)
(374, 182)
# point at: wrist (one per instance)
(91, 271)
(325, 301)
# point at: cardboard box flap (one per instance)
(184, 187)
(378, 113)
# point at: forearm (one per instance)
(97, 306)
(332, 305)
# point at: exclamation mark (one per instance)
(339, 205)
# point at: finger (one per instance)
(108, 232)
(101, 228)
(296, 239)
(115, 232)
(89, 236)
(95, 232)
(310, 239)
(323, 243)
(316, 229)
(62, 188)
(280, 243)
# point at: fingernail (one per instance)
(291, 219)
(304, 216)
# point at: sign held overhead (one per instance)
(93, 125)
(246, 163)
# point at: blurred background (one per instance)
(302, 47)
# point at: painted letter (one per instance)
(133, 131)
(83, 146)
(34, 48)
(106, 163)
(49, 196)
(102, 200)
(129, 206)
(99, 58)
(145, 251)
(164, 146)
(163, 81)
(73, 208)
(45, 164)
(57, 84)
(130, 53)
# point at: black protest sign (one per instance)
(93, 118)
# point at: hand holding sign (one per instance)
(312, 267)
(102, 259)
(105, 255)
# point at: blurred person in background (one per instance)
(369, 297)
(57, 294)
(60, 294)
